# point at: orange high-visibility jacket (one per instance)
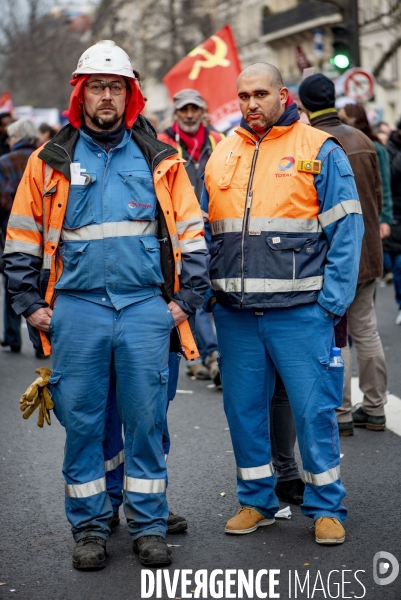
(37, 216)
(280, 212)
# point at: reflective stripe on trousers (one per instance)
(250, 473)
(144, 486)
(113, 463)
(324, 478)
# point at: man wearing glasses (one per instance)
(106, 257)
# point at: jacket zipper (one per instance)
(64, 150)
(155, 156)
(248, 205)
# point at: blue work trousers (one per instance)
(113, 444)
(297, 341)
(89, 341)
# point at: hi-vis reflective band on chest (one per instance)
(309, 166)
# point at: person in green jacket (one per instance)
(355, 115)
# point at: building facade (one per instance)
(291, 34)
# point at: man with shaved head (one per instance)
(286, 231)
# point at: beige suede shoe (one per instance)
(329, 531)
(247, 520)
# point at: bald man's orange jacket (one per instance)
(33, 264)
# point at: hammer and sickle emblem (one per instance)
(211, 60)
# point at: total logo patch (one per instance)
(134, 204)
(286, 163)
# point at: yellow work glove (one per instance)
(37, 395)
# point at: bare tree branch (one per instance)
(394, 12)
(386, 57)
(37, 55)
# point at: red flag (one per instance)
(6, 104)
(212, 69)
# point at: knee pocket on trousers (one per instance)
(331, 389)
(54, 390)
(162, 408)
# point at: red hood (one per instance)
(135, 102)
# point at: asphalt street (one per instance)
(36, 543)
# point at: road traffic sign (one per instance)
(359, 85)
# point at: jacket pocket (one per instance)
(344, 168)
(151, 273)
(141, 197)
(227, 174)
(81, 205)
(75, 260)
(282, 257)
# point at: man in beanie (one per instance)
(86, 268)
(317, 94)
(195, 143)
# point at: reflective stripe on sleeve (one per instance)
(53, 235)
(255, 286)
(23, 222)
(84, 490)
(174, 241)
(144, 486)
(339, 211)
(189, 225)
(47, 261)
(259, 224)
(325, 478)
(113, 463)
(192, 245)
(255, 472)
(18, 246)
(110, 230)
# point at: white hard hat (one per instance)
(104, 57)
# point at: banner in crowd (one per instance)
(212, 69)
(6, 104)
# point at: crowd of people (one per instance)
(127, 248)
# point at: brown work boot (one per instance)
(329, 530)
(246, 520)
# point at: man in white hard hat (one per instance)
(87, 270)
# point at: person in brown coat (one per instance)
(317, 94)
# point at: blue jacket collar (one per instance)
(289, 117)
(24, 143)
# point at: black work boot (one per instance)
(362, 419)
(89, 554)
(290, 491)
(114, 521)
(152, 550)
(176, 524)
(346, 428)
